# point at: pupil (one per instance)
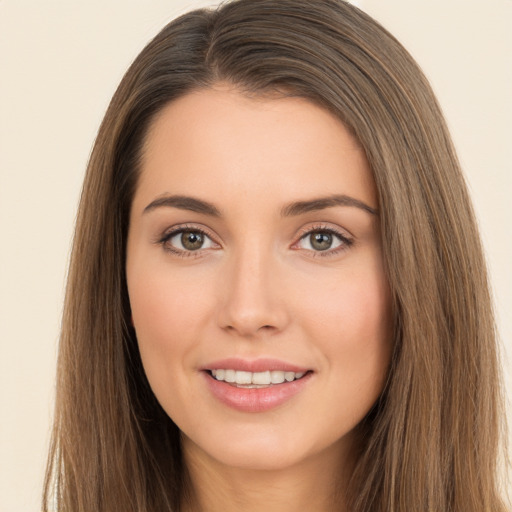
(192, 240)
(321, 241)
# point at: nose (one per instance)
(252, 301)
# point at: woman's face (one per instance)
(256, 278)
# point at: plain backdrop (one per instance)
(60, 62)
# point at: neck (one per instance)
(315, 485)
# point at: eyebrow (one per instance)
(184, 203)
(301, 207)
(291, 210)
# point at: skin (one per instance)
(259, 288)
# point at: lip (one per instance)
(255, 400)
(256, 365)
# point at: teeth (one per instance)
(277, 377)
(258, 378)
(261, 378)
(229, 375)
(243, 377)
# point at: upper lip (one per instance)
(256, 365)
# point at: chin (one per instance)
(263, 449)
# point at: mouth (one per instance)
(255, 380)
(256, 386)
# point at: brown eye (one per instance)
(192, 240)
(186, 241)
(324, 241)
(320, 240)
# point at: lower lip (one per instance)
(255, 399)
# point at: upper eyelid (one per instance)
(174, 230)
(164, 240)
(346, 239)
(344, 233)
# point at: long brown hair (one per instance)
(431, 441)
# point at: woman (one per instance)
(277, 295)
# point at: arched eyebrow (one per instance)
(293, 209)
(184, 203)
(301, 207)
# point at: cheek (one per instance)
(356, 305)
(167, 315)
(166, 304)
(360, 351)
(351, 321)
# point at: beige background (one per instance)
(60, 62)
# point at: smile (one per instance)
(256, 386)
(251, 380)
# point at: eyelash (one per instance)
(345, 242)
(182, 229)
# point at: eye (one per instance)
(323, 240)
(186, 240)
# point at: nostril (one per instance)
(241, 329)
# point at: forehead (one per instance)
(219, 142)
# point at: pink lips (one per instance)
(258, 365)
(255, 399)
